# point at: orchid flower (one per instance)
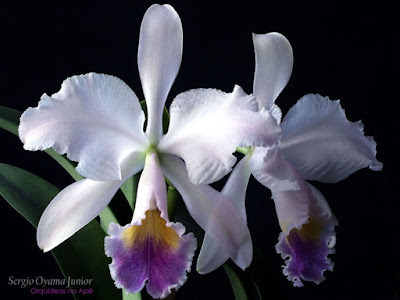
(317, 143)
(97, 120)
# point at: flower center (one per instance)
(153, 229)
(310, 231)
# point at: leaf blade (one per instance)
(9, 119)
(238, 287)
(80, 256)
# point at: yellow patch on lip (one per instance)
(311, 230)
(153, 227)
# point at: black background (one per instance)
(346, 52)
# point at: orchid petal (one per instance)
(270, 168)
(212, 210)
(292, 206)
(211, 255)
(274, 64)
(150, 248)
(151, 191)
(322, 144)
(159, 59)
(206, 126)
(73, 208)
(78, 204)
(276, 112)
(308, 234)
(95, 118)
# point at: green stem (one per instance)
(129, 296)
(244, 150)
(172, 196)
(106, 217)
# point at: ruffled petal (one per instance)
(213, 211)
(211, 255)
(151, 248)
(274, 64)
(159, 59)
(206, 126)
(308, 234)
(276, 112)
(95, 119)
(155, 252)
(322, 144)
(271, 169)
(73, 208)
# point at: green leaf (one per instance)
(65, 163)
(263, 276)
(9, 119)
(82, 255)
(129, 188)
(237, 286)
(257, 281)
(107, 216)
(240, 284)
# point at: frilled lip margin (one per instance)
(155, 254)
(305, 249)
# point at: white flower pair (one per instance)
(97, 120)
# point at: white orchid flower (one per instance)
(318, 143)
(97, 120)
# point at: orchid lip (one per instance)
(155, 253)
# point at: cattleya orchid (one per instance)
(97, 120)
(317, 143)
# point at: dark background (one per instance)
(342, 51)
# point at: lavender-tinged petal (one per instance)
(213, 211)
(206, 126)
(274, 64)
(322, 144)
(211, 254)
(159, 59)
(270, 168)
(95, 119)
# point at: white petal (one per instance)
(206, 126)
(270, 168)
(236, 186)
(274, 64)
(276, 112)
(213, 211)
(295, 207)
(211, 255)
(322, 144)
(78, 204)
(151, 191)
(292, 206)
(95, 118)
(72, 209)
(159, 59)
